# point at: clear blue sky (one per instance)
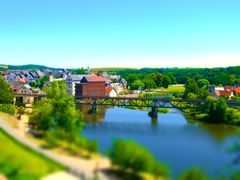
(141, 33)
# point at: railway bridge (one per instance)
(153, 103)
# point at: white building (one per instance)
(71, 80)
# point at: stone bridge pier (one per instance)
(154, 112)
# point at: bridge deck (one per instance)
(163, 102)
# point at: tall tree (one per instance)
(191, 87)
(166, 81)
(6, 93)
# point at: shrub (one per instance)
(193, 173)
(8, 108)
(129, 155)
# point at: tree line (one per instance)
(216, 76)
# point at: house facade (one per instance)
(71, 82)
(91, 86)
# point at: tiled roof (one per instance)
(109, 89)
(95, 78)
(237, 90)
(223, 93)
(228, 88)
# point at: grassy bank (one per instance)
(19, 162)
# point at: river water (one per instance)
(173, 140)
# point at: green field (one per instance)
(19, 162)
(176, 89)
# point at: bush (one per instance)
(129, 155)
(8, 108)
(217, 111)
(193, 173)
(54, 138)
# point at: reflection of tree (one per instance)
(236, 150)
(88, 117)
(220, 131)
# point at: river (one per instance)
(173, 140)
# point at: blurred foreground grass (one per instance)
(19, 162)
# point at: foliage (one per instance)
(29, 66)
(129, 155)
(8, 108)
(57, 120)
(39, 83)
(72, 139)
(217, 111)
(191, 87)
(149, 81)
(202, 83)
(6, 93)
(224, 76)
(78, 71)
(166, 81)
(193, 173)
(136, 85)
(58, 110)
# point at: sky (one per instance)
(120, 33)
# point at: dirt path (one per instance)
(78, 167)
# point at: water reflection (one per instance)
(171, 138)
(220, 131)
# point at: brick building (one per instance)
(91, 86)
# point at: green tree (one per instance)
(149, 83)
(172, 78)
(39, 83)
(191, 86)
(203, 93)
(57, 111)
(157, 77)
(166, 81)
(202, 83)
(6, 93)
(137, 84)
(129, 155)
(217, 111)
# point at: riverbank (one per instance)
(97, 167)
(78, 166)
(19, 162)
(228, 115)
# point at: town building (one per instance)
(111, 91)
(71, 82)
(227, 91)
(91, 86)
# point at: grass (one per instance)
(24, 162)
(176, 89)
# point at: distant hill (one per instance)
(24, 67)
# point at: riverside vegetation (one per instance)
(216, 111)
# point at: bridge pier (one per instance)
(94, 108)
(154, 112)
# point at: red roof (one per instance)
(5, 73)
(228, 88)
(109, 89)
(223, 93)
(237, 90)
(95, 78)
